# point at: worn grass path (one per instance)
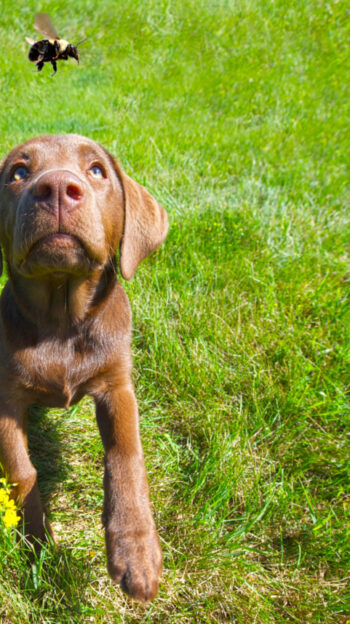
(235, 115)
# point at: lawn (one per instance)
(235, 115)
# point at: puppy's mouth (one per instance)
(57, 251)
(57, 240)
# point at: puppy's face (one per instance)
(61, 206)
(65, 205)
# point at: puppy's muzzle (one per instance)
(59, 192)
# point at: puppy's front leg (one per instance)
(133, 551)
(15, 461)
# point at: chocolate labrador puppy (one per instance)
(65, 327)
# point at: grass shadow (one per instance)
(45, 447)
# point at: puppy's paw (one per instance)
(135, 562)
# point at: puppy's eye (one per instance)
(97, 172)
(19, 173)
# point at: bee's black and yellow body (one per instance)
(50, 51)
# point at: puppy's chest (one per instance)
(57, 375)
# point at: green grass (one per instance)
(235, 115)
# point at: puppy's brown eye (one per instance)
(19, 173)
(96, 172)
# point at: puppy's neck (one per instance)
(61, 301)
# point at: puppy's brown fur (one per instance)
(65, 327)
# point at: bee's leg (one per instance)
(40, 65)
(54, 65)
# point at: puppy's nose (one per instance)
(58, 188)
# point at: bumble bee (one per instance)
(51, 49)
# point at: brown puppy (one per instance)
(65, 327)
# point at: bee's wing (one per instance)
(44, 26)
(30, 41)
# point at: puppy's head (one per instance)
(66, 205)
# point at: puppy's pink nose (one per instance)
(58, 187)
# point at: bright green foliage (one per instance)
(235, 114)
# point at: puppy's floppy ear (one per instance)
(145, 225)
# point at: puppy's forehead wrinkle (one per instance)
(75, 172)
(91, 151)
(23, 156)
(68, 148)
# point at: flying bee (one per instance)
(51, 49)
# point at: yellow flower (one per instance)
(11, 518)
(4, 497)
(8, 509)
(10, 504)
